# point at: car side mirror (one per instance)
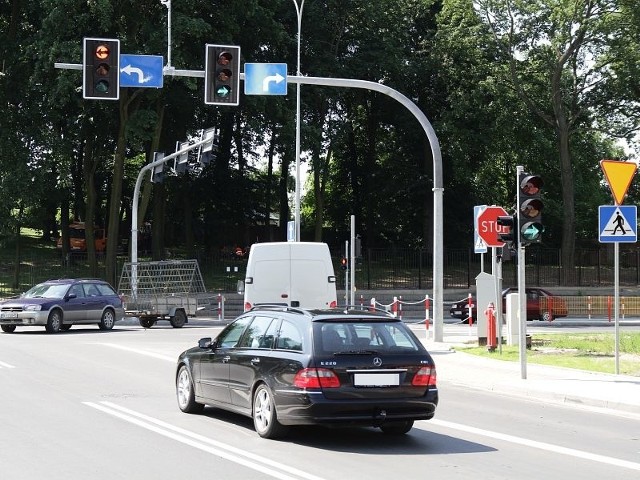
(205, 343)
(71, 295)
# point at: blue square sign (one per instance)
(618, 224)
(265, 78)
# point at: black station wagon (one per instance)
(284, 366)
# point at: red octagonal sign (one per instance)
(488, 228)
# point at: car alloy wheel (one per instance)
(185, 393)
(265, 419)
(54, 322)
(108, 320)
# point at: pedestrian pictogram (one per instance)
(618, 223)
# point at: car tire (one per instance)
(108, 320)
(397, 428)
(179, 319)
(185, 393)
(546, 316)
(147, 322)
(65, 327)
(54, 322)
(8, 328)
(265, 418)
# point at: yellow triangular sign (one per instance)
(619, 176)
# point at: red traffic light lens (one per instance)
(531, 185)
(225, 58)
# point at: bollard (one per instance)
(470, 308)
(394, 307)
(426, 312)
(400, 307)
(491, 327)
(372, 304)
(219, 305)
(589, 306)
(361, 302)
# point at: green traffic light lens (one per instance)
(223, 91)
(531, 232)
(102, 86)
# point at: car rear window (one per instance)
(331, 337)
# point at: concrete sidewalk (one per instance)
(546, 383)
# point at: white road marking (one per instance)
(6, 365)
(141, 352)
(237, 455)
(540, 445)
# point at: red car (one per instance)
(541, 305)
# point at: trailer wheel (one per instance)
(147, 322)
(179, 319)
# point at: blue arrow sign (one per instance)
(618, 223)
(265, 78)
(141, 71)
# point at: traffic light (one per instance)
(158, 170)
(530, 209)
(222, 75)
(101, 69)
(510, 221)
(343, 263)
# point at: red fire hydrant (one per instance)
(490, 312)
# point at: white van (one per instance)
(296, 274)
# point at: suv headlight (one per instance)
(33, 308)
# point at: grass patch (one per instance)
(589, 351)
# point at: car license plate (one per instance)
(457, 312)
(9, 315)
(376, 379)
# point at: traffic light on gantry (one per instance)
(530, 208)
(101, 69)
(222, 75)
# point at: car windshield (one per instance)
(47, 290)
(346, 338)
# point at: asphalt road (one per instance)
(95, 405)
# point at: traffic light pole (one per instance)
(438, 187)
(522, 295)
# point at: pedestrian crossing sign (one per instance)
(618, 224)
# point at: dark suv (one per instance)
(284, 366)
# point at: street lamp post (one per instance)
(297, 196)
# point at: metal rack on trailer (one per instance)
(162, 290)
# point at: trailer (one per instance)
(162, 290)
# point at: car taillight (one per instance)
(426, 376)
(247, 307)
(316, 378)
(333, 304)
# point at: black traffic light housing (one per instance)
(101, 69)
(157, 175)
(222, 75)
(343, 263)
(510, 237)
(530, 208)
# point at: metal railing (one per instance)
(377, 269)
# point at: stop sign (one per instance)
(488, 228)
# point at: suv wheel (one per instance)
(8, 328)
(54, 322)
(265, 419)
(108, 320)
